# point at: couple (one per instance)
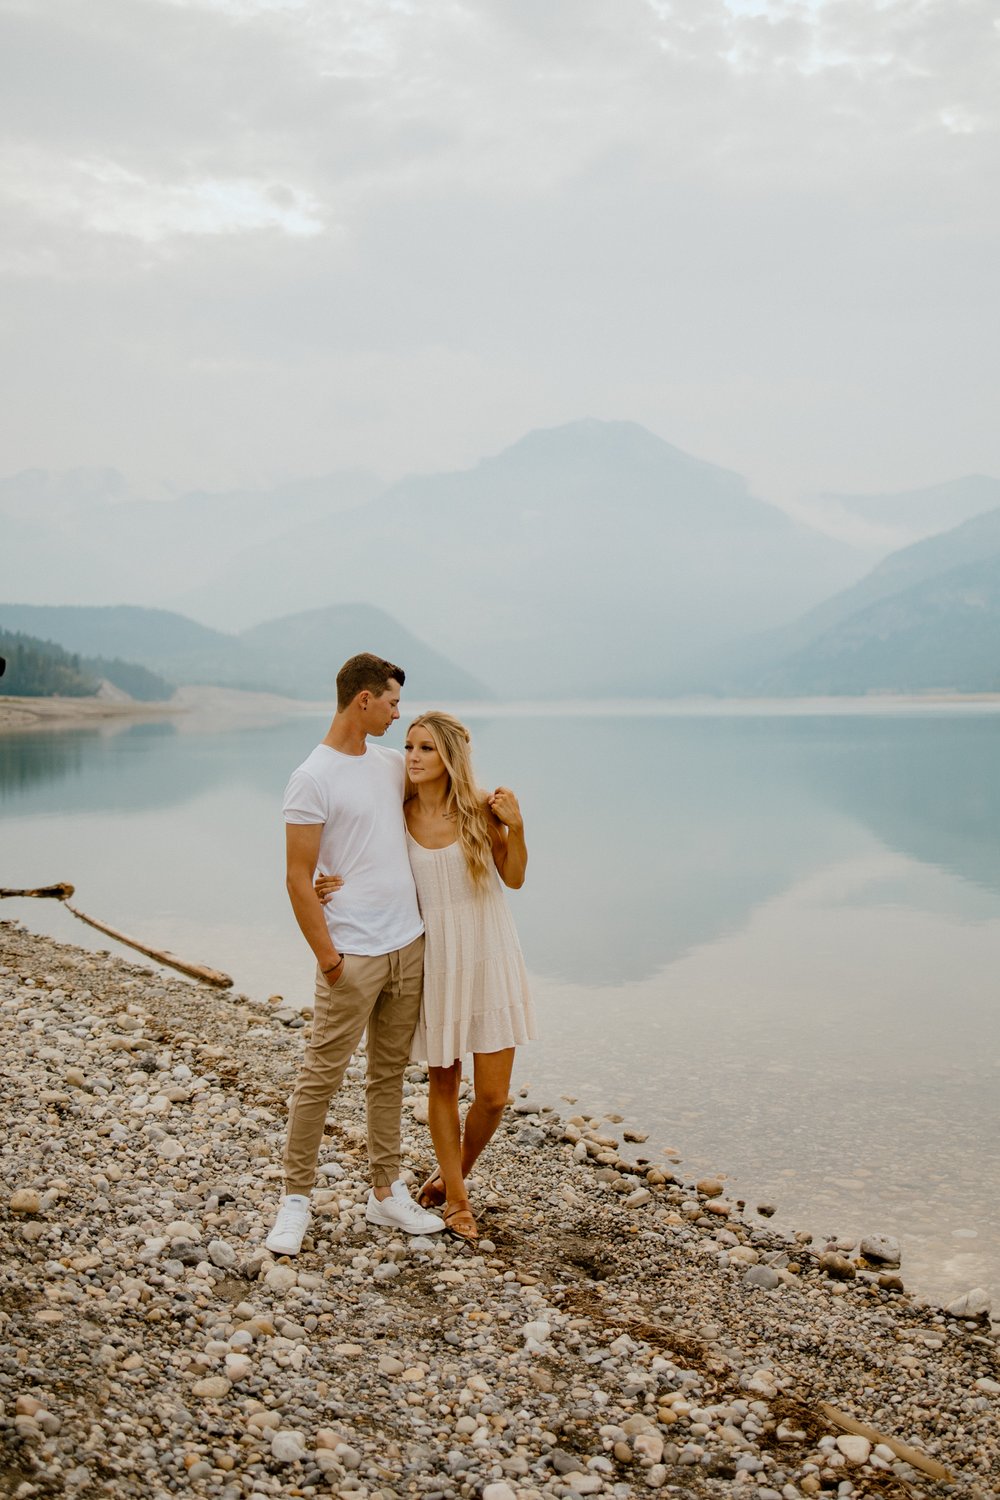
(392, 865)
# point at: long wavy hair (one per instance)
(465, 802)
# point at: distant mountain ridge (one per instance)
(83, 538)
(927, 618)
(942, 634)
(894, 520)
(297, 656)
(592, 559)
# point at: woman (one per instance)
(462, 844)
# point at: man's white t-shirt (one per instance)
(359, 801)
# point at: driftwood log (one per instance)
(912, 1456)
(62, 890)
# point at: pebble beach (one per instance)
(618, 1330)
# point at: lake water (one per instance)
(768, 937)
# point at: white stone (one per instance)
(622, 1345)
(260, 1421)
(856, 1450)
(987, 1386)
(537, 1331)
(214, 1386)
(182, 1229)
(499, 1491)
(288, 1447)
(25, 1201)
(762, 1276)
(281, 1278)
(881, 1247)
(648, 1445)
(221, 1254)
(238, 1367)
(974, 1304)
(637, 1199)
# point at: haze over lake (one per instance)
(767, 937)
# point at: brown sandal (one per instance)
(432, 1194)
(461, 1221)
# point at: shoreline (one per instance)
(206, 706)
(196, 707)
(620, 1329)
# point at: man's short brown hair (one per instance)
(365, 674)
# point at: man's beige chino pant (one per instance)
(381, 995)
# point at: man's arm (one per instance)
(301, 853)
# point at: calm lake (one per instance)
(769, 937)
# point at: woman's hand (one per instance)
(326, 886)
(504, 806)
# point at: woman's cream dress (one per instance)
(476, 995)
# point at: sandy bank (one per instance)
(75, 713)
(619, 1331)
(192, 707)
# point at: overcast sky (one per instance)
(243, 240)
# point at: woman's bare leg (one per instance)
(446, 1131)
(491, 1072)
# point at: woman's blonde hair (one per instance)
(465, 802)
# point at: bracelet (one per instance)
(333, 967)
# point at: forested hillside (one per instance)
(41, 669)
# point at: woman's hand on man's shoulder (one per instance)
(505, 808)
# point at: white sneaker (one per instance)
(290, 1226)
(400, 1212)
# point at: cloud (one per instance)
(762, 226)
(105, 198)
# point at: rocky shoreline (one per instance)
(618, 1330)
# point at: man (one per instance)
(344, 816)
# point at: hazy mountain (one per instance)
(54, 495)
(780, 659)
(299, 654)
(296, 656)
(39, 561)
(924, 618)
(941, 633)
(884, 522)
(84, 537)
(755, 662)
(157, 638)
(587, 559)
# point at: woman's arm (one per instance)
(510, 853)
